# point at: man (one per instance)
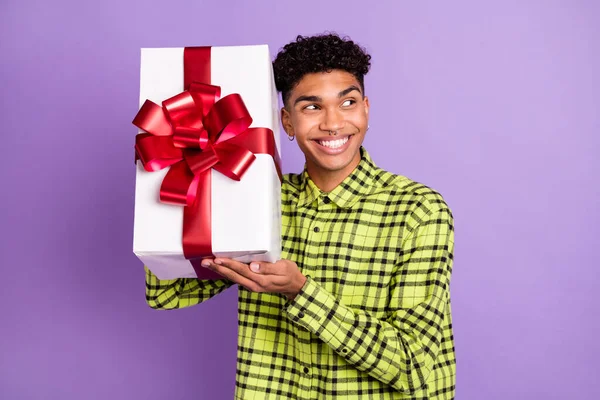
(359, 305)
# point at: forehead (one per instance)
(323, 83)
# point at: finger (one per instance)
(264, 279)
(267, 268)
(239, 267)
(275, 277)
(206, 261)
(234, 276)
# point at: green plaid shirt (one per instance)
(373, 319)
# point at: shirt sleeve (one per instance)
(179, 293)
(401, 349)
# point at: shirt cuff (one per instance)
(318, 311)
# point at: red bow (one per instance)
(193, 132)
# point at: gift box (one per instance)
(231, 208)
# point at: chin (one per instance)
(336, 163)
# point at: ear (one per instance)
(286, 121)
(367, 105)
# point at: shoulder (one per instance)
(291, 181)
(291, 185)
(416, 200)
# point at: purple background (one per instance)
(494, 105)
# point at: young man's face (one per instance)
(322, 103)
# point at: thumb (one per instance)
(255, 266)
(262, 267)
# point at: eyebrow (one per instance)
(350, 89)
(318, 99)
(315, 99)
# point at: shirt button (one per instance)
(326, 200)
(317, 229)
(306, 370)
(344, 351)
(300, 314)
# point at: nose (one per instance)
(333, 120)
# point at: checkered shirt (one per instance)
(373, 320)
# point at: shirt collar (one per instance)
(361, 182)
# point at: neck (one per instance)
(326, 180)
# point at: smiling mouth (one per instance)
(334, 143)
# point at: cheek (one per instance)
(303, 124)
(358, 119)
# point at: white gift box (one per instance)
(246, 214)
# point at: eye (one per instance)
(311, 107)
(348, 103)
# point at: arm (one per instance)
(401, 349)
(180, 293)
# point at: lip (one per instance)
(331, 151)
(329, 137)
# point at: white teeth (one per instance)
(334, 144)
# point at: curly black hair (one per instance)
(319, 53)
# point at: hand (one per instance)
(283, 277)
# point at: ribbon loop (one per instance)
(234, 160)
(205, 94)
(177, 185)
(188, 137)
(151, 118)
(199, 162)
(156, 152)
(228, 117)
(183, 111)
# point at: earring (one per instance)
(291, 138)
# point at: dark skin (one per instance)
(319, 104)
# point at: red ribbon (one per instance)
(194, 132)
